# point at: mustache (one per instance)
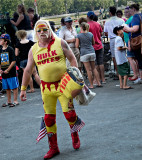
(44, 35)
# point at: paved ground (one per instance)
(112, 132)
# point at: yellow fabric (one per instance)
(50, 97)
(52, 63)
(68, 85)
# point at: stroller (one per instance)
(107, 57)
(107, 54)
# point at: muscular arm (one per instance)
(36, 76)
(28, 70)
(68, 53)
(26, 75)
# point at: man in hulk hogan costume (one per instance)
(49, 55)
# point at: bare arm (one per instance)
(29, 69)
(26, 75)
(1, 70)
(10, 67)
(21, 17)
(68, 53)
(77, 43)
(36, 76)
(70, 40)
(122, 48)
(93, 41)
(131, 29)
(16, 51)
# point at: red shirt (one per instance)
(96, 29)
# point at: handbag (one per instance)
(136, 43)
(85, 96)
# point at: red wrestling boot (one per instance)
(53, 146)
(75, 140)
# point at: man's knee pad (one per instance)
(50, 119)
(70, 116)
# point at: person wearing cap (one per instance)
(62, 26)
(123, 67)
(8, 70)
(96, 29)
(69, 35)
(108, 30)
(49, 55)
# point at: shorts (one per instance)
(123, 69)
(88, 57)
(130, 53)
(10, 83)
(112, 47)
(23, 63)
(99, 57)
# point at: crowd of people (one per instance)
(46, 54)
(85, 41)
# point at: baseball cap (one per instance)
(90, 13)
(5, 36)
(117, 28)
(68, 19)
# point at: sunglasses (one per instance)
(42, 29)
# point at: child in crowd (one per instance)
(121, 59)
(87, 53)
(8, 70)
(22, 49)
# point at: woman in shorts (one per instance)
(87, 53)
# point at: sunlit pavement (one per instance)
(112, 132)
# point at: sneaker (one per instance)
(138, 81)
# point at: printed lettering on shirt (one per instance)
(5, 59)
(47, 57)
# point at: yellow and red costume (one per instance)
(56, 84)
(52, 68)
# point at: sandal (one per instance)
(5, 104)
(11, 104)
(15, 103)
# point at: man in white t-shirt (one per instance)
(69, 34)
(108, 30)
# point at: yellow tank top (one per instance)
(51, 66)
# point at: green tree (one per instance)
(8, 6)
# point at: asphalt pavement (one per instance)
(113, 128)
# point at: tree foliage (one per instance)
(56, 7)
